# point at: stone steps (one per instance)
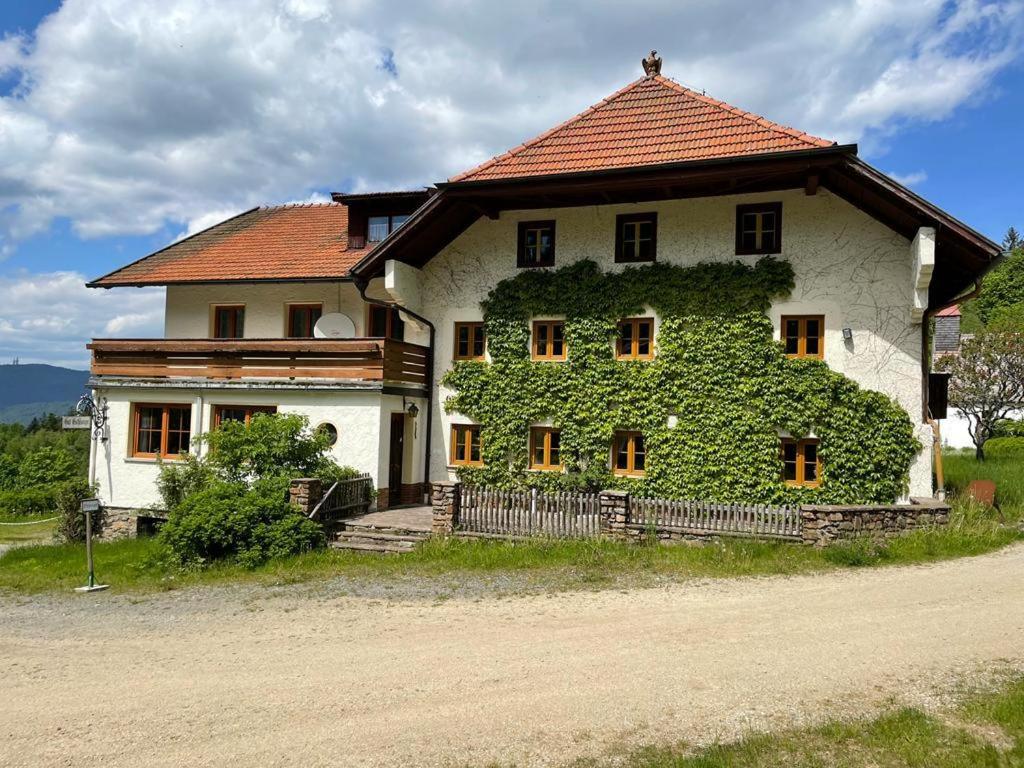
(374, 539)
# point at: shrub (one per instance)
(28, 501)
(71, 518)
(181, 479)
(1008, 428)
(46, 465)
(1004, 448)
(8, 472)
(231, 521)
(270, 445)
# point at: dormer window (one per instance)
(379, 227)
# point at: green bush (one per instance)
(179, 480)
(1008, 428)
(28, 501)
(232, 521)
(1004, 448)
(46, 465)
(71, 520)
(270, 445)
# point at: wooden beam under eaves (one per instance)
(811, 187)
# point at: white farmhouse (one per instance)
(352, 312)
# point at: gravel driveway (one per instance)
(245, 677)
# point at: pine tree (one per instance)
(1013, 240)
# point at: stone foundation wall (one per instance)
(126, 523)
(820, 525)
(824, 524)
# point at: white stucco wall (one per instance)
(362, 420)
(849, 267)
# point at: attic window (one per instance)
(758, 228)
(380, 227)
(536, 246)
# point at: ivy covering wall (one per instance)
(717, 371)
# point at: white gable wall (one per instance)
(849, 267)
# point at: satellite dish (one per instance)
(334, 326)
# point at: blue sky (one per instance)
(126, 124)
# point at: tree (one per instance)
(986, 382)
(1013, 240)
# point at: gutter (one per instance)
(361, 284)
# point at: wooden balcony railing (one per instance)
(361, 359)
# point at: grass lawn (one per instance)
(985, 730)
(138, 566)
(26, 529)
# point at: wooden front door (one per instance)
(395, 455)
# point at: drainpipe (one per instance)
(361, 284)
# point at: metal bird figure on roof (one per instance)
(652, 64)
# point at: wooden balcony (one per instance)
(368, 359)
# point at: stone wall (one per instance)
(824, 524)
(125, 523)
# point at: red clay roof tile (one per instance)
(286, 242)
(651, 121)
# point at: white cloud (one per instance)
(49, 317)
(911, 179)
(134, 115)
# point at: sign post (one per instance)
(88, 507)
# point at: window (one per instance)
(466, 445)
(229, 322)
(469, 341)
(544, 448)
(629, 454)
(804, 335)
(302, 318)
(242, 413)
(635, 340)
(759, 228)
(549, 340)
(330, 431)
(379, 227)
(636, 237)
(385, 323)
(161, 430)
(800, 462)
(536, 244)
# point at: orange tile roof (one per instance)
(285, 242)
(651, 121)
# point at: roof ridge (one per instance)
(764, 122)
(301, 205)
(540, 137)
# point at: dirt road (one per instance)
(236, 678)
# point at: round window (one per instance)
(330, 430)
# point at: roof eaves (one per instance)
(98, 282)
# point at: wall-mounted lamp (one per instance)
(848, 334)
(413, 410)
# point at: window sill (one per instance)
(150, 460)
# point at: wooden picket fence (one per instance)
(572, 514)
(530, 512)
(754, 520)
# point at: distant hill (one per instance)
(34, 389)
